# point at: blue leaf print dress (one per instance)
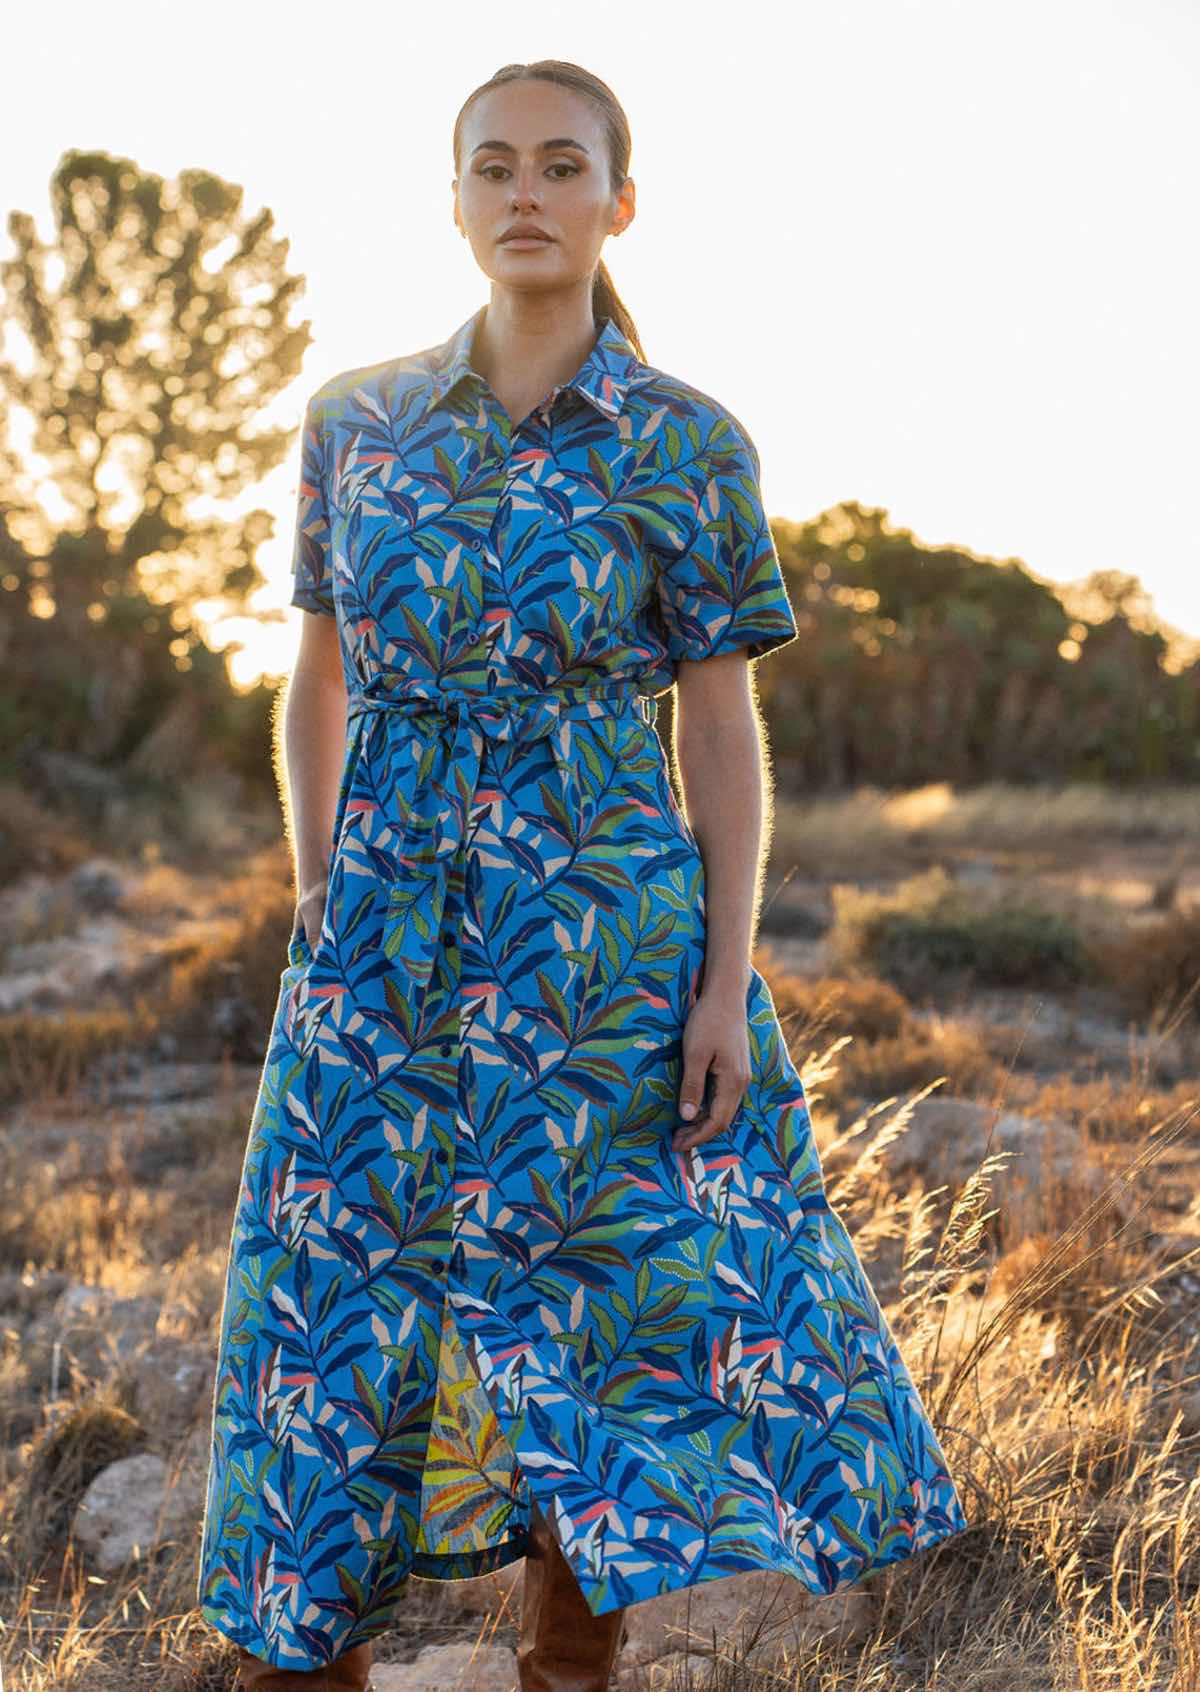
(467, 1271)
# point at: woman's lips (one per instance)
(527, 241)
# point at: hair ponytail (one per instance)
(606, 302)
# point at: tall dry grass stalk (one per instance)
(1057, 1362)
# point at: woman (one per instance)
(532, 1256)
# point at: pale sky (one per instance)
(941, 258)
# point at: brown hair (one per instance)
(606, 302)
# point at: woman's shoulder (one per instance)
(380, 385)
(680, 404)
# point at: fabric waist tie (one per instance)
(454, 725)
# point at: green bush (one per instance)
(931, 928)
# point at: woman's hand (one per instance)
(718, 745)
(314, 728)
(715, 1038)
(310, 914)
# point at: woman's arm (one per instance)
(718, 748)
(314, 744)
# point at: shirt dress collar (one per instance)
(603, 378)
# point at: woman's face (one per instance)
(509, 175)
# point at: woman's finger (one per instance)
(726, 1099)
(692, 1087)
(728, 1089)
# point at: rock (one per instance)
(944, 1140)
(32, 906)
(153, 1121)
(731, 1608)
(1189, 1404)
(450, 1668)
(77, 784)
(947, 1139)
(978, 872)
(100, 884)
(674, 1632)
(68, 1148)
(132, 1507)
(1178, 1244)
(160, 1083)
(66, 963)
(89, 1330)
(658, 1628)
(170, 1385)
(27, 1293)
(498, 1593)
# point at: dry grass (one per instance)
(870, 831)
(33, 836)
(1052, 1330)
(207, 995)
(1155, 967)
(1064, 1390)
(882, 1046)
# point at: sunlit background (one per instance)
(938, 258)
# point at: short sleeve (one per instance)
(312, 570)
(726, 589)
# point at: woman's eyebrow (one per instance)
(543, 146)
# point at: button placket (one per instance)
(493, 485)
(449, 940)
(507, 472)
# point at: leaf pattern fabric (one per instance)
(467, 1271)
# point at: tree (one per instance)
(155, 327)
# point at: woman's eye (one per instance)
(571, 170)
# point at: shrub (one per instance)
(932, 927)
(1154, 966)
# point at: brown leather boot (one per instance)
(351, 1672)
(562, 1646)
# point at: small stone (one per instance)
(131, 1508)
(450, 1668)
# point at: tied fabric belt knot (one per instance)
(454, 727)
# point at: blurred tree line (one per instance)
(918, 664)
(152, 330)
(145, 339)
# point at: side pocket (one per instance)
(300, 953)
(299, 950)
(350, 761)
